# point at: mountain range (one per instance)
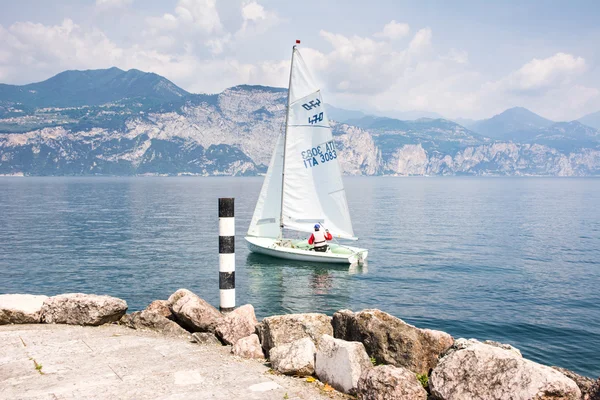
(115, 122)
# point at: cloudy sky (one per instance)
(469, 59)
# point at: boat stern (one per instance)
(359, 257)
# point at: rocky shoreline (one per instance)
(369, 354)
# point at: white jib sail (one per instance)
(265, 221)
(313, 190)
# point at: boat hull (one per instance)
(271, 247)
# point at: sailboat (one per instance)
(303, 185)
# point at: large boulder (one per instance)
(386, 382)
(341, 363)
(295, 358)
(584, 383)
(20, 308)
(482, 371)
(161, 307)
(239, 323)
(82, 309)
(248, 347)
(281, 329)
(392, 341)
(177, 295)
(194, 313)
(462, 343)
(594, 393)
(205, 338)
(148, 320)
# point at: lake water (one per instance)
(515, 260)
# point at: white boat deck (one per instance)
(299, 250)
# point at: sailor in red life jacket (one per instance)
(319, 239)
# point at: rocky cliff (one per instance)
(234, 133)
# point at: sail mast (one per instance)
(287, 115)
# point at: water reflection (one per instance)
(298, 286)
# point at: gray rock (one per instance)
(462, 343)
(237, 324)
(392, 341)
(341, 363)
(295, 358)
(386, 382)
(193, 313)
(20, 308)
(148, 320)
(161, 307)
(504, 346)
(82, 309)
(248, 347)
(594, 393)
(481, 371)
(205, 338)
(281, 329)
(177, 295)
(583, 382)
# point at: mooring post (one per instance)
(226, 254)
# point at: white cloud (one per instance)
(217, 45)
(548, 86)
(457, 56)
(394, 30)
(112, 4)
(422, 39)
(540, 75)
(199, 13)
(537, 77)
(168, 22)
(43, 49)
(355, 67)
(256, 20)
(203, 51)
(32, 52)
(367, 67)
(190, 17)
(253, 12)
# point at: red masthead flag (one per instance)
(297, 41)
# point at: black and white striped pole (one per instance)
(226, 255)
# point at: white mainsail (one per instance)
(313, 191)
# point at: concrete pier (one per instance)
(113, 362)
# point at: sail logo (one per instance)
(315, 118)
(311, 104)
(319, 154)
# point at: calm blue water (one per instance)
(515, 260)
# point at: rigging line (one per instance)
(338, 243)
(287, 118)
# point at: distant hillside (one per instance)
(384, 123)
(567, 136)
(114, 122)
(466, 122)
(342, 115)
(515, 124)
(438, 135)
(91, 88)
(592, 120)
(411, 115)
